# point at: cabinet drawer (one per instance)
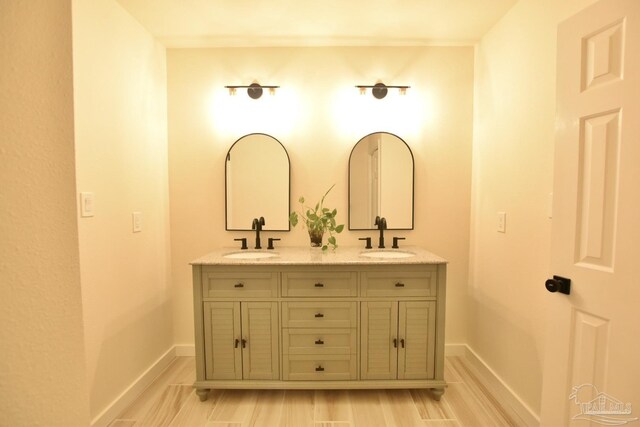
(239, 284)
(318, 341)
(321, 314)
(399, 284)
(321, 284)
(318, 368)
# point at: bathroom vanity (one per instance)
(297, 318)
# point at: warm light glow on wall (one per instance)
(405, 115)
(275, 114)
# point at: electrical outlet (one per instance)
(502, 222)
(86, 204)
(137, 221)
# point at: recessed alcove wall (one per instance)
(319, 115)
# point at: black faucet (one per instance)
(257, 225)
(382, 225)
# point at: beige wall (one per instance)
(42, 366)
(319, 115)
(121, 152)
(512, 172)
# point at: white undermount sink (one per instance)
(250, 255)
(391, 254)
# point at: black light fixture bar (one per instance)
(376, 86)
(254, 90)
(379, 90)
(262, 86)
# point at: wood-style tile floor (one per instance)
(171, 401)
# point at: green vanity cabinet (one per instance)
(313, 320)
(241, 340)
(397, 340)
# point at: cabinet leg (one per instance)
(437, 393)
(203, 393)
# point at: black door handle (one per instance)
(558, 284)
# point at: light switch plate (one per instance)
(86, 204)
(137, 221)
(502, 222)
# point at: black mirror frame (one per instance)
(226, 158)
(413, 185)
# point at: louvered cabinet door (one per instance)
(260, 341)
(416, 330)
(379, 327)
(223, 357)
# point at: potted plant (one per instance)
(318, 220)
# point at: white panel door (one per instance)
(592, 361)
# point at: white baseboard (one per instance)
(509, 399)
(129, 395)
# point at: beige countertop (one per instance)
(315, 256)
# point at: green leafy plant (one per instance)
(318, 220)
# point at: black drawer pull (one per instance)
(319, 315)
(244, 343)
(319, 285)
(399, 285)
(319, 369)
(395, 343)
(239, 285)
(319, 342)
(402, 343)
(236, 343)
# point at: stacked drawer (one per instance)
(319, 336)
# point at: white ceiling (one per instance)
(199, 23)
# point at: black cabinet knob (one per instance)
(558, 284)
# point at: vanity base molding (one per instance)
(437, 387)
(318, 326)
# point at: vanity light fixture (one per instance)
(254, 90)
(379, 90)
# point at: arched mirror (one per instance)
(257, 183)
(381, 182)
